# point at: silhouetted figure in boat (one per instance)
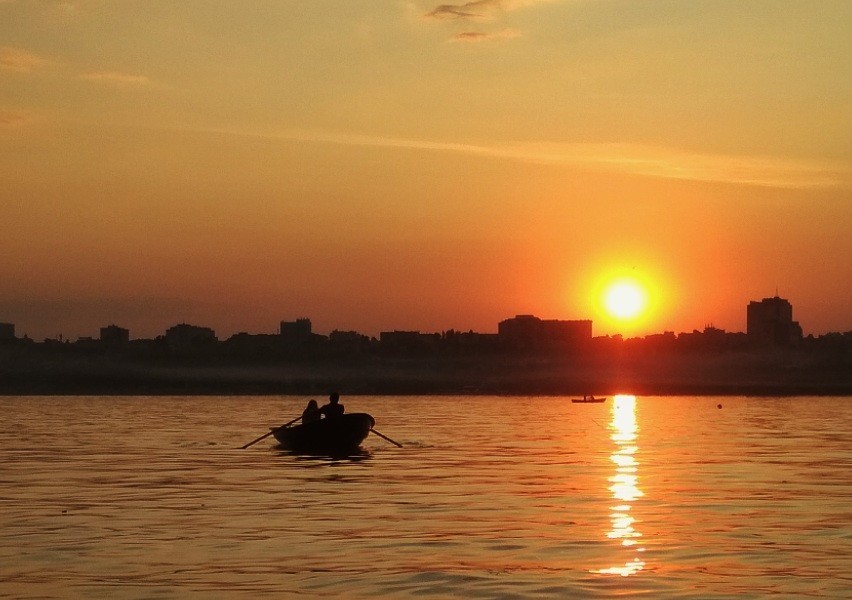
(311, 413)
(333, 408)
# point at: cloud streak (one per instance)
(632, 159)
(477, 9)
(20, 60)
(483, 36)
(117, 78)
(12, 119)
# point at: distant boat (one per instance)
(588, 400)
(334, 435)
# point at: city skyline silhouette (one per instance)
(768, 309)
(527, 355)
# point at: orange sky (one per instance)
(417, 165)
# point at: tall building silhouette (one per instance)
(295, 332)
(770, 322)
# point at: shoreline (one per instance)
(697, 375)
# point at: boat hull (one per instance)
(335, 435)
(588, 401)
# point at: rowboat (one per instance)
(588, 400)
(334, 435)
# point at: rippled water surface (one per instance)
(489, 498)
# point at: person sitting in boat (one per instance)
(333, 408)
(311, 413)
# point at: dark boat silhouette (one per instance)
(588, 400)
(334, 435)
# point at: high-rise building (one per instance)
(770, 322)
(295, 332)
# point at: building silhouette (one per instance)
(770, 323)
(408, 340)
(187, 336)
(113, 334)
(252, 344)
(348, 341)
(295, 332)
(531, 333)
(471, 341)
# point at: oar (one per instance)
(397, 444)
(271, 431)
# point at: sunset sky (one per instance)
(385, 164)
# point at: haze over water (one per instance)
(509, 497)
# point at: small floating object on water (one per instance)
(588, 400)
(718, 406)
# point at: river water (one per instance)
(659, 497)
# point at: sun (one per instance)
(625, 299)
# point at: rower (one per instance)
(333, 408)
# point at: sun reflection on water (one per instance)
(624, 485)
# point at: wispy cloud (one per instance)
(12, 118)
(117, 78)
(483, 36)
(478, 9)
(20, 60)
(635, 159)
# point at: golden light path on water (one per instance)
(624, 485)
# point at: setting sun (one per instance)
(625, 299)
